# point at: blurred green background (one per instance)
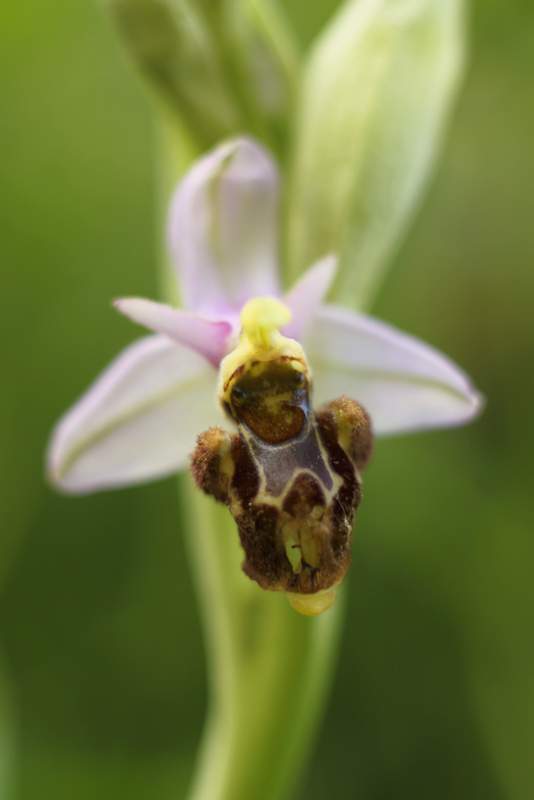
(103, 681)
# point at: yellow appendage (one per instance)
(311, 605)
(260, 340)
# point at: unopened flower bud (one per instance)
(376, 93)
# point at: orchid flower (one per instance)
(142, 416)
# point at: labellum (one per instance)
(290, 476)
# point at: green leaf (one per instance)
(376, 95)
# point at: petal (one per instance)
(306, 296)
(138, 421)
(404, 384)
(223, 228)
(206, 336)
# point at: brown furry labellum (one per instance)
(290, 477)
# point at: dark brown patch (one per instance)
(305, 494)
(348, 496)
(265, 560)
(271, 399)
(245, 481)
(337, 457)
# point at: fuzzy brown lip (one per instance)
(293, 514)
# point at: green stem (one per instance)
(269, 668)
(6, 740)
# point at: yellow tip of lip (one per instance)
(261, 317)
(311, 605)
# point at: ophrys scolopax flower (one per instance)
(289, 475)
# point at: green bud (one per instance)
(376, 94)
(221, 66)
(172, 47)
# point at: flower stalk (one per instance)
(269, 668)
(6, 736)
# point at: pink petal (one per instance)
(306, 296)
(137, 422)
(207, 337)
(223, 229)
(404, 384)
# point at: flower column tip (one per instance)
(261, 318)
